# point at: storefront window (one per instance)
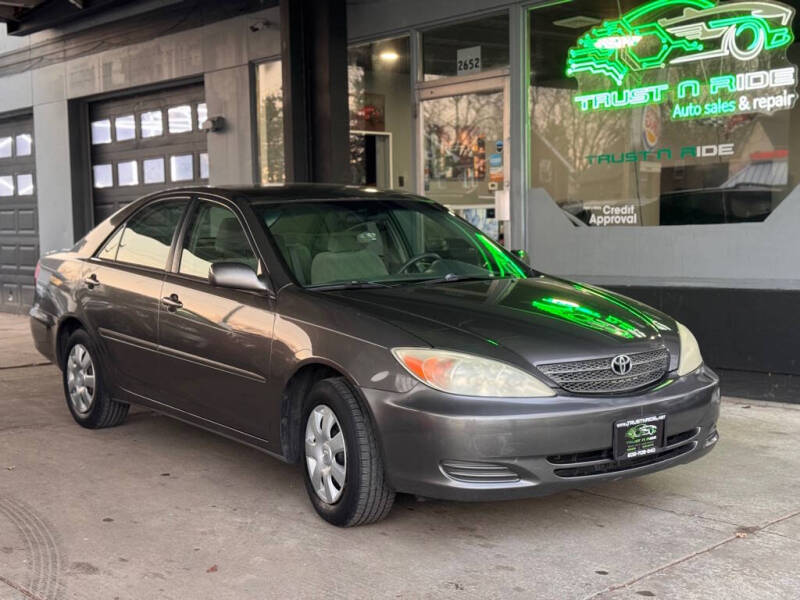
(465, 48)
(380, 114)
(270, 122)
(669, 112)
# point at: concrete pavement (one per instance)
(158, 509)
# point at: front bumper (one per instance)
(461, 448)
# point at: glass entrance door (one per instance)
(464, 131)
(371, 159)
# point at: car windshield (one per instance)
(377, 242)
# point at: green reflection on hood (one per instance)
(505, 265)
(586, 317)
(610, 298)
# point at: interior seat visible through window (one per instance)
(215, 236)
(346, 259)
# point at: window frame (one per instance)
(183, 230)
(187, 200)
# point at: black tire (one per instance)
(103, 411)
(365, 497)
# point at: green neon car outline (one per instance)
(639, 431)
(611, 48)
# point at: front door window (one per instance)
(214, 236)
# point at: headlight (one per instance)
(690, 352)
(467, 375)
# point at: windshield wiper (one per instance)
(348, 285)
(452, 277)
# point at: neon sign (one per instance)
(659, 34)
(647, 38)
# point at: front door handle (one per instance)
(91, 281)
(172, 302)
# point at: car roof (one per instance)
(299, 191)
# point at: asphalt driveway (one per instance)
(158, 509)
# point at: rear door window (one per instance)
(147, 236)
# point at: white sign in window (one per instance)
(101, 132)
(468, 60)
(151, 123)
(181, 167)
(153, 170)
(25, 184)
(127, 173)
(103, 176)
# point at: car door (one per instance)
(121, 292)
(216, 341)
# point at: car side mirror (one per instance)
(522, 255)
(237, 276)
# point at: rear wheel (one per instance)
(342, 465)
(84, 387)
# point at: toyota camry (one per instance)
(375, 339)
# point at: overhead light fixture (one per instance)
(577, 22)
(388, 56)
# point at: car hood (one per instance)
(541, 319)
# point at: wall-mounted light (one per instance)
(258, 26)
(214, 124)
(388, 56)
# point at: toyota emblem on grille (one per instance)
(622, 364)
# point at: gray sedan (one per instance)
(374, 338)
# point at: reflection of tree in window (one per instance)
(272, 170)
(270, 122)
(457, 131)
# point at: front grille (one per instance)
(580, 457)
(578, 464)
(475, 472)
(625, 464)
(596, 377)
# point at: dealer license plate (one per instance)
(639, 437)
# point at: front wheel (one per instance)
(342, 465)
(88, 401)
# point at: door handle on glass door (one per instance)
(172, 302)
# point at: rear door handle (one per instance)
(172, 302)
(91, 281)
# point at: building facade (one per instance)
(643, 146)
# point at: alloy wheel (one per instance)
(81, 379)
(326, 456)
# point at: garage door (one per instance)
(19, 236)
(144, 143)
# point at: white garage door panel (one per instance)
(141, 144)
(19, 236)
